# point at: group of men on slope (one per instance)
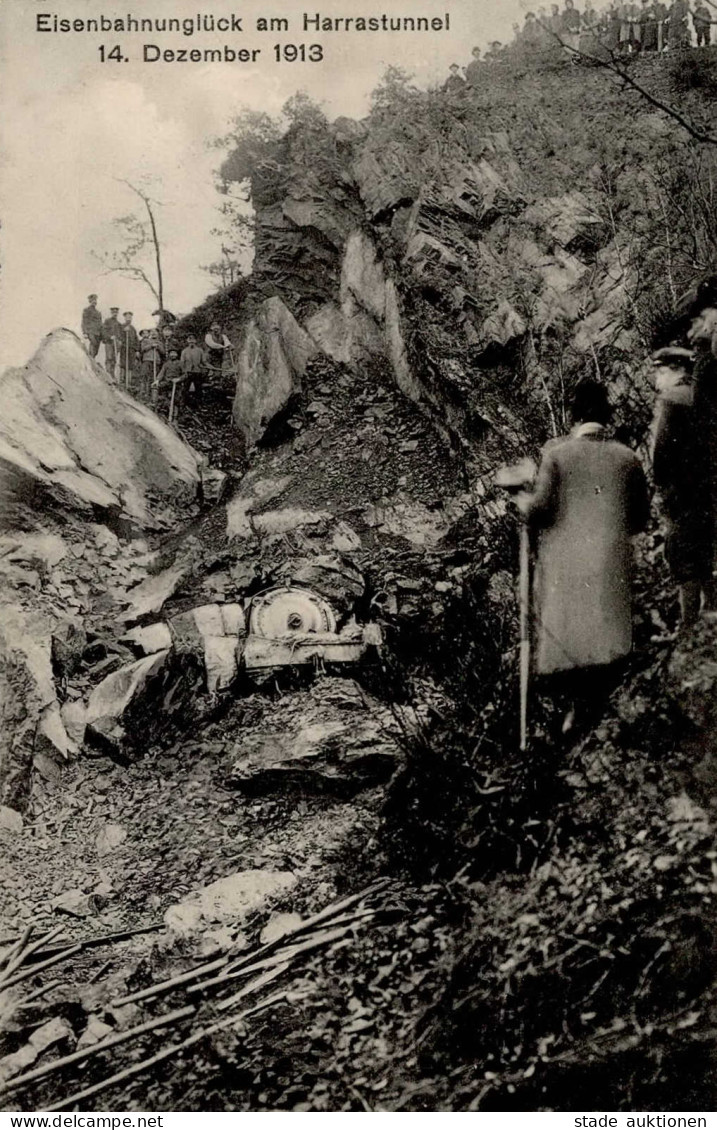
(590, 497)
(144, 362)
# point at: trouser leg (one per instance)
(709, 591)
(690, 593)
(110, 359)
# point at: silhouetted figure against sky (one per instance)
(455, 80)
(92, 325)
(473, 70)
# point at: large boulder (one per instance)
(272, 360)
(342, 741)
(231, 899)
(69, 438)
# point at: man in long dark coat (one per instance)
(683, 473)
(92, 325)
(129, 351)
(111, 336)
(590, 498)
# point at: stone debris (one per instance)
(151, 639)
(343, 741)
(113, 695)
(123, 459)
(10, 820)
(278, 926)
(110, 837)
(231, 899)
(75, 903)
(95, 1030)
(54, 1032)
(150, 596)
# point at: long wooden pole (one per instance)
(138, 1068)
(524, 600)
(31, 970)
(95, 1049)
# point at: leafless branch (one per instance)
(610, 63)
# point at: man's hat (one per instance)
(114, 309)
(90, 297)
(674, 355)
(126, 312)
(694, 300)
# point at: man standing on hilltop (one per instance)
(474, 69)
(92, 325)
(455, 80)
(702, 19)
(129, 350)
(111, 337)
(570, 25)
(590, 498)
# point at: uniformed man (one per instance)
(111, 336)
(92, 325)
(129, 351)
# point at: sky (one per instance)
(72, 128)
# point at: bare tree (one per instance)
(138, 235)
(608, 60)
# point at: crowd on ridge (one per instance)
(622, 30)
(144, 363)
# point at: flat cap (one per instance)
(698, 297)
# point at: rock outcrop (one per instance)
(80, 463)
(71, 440)
(272, 362)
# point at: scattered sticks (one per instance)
(138, 1068)
(95, 1049)
(33, 969)
(26, 950)
(161, 987)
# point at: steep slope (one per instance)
(80, 463)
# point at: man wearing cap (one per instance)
(684, 471)
(218, 346)
(92, 325)
(111, 339)
(129, 351)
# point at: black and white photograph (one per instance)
(358, 551)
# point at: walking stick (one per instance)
(524, 600)
(514, 479)
(171, 399)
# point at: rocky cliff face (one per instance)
(490, 248)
